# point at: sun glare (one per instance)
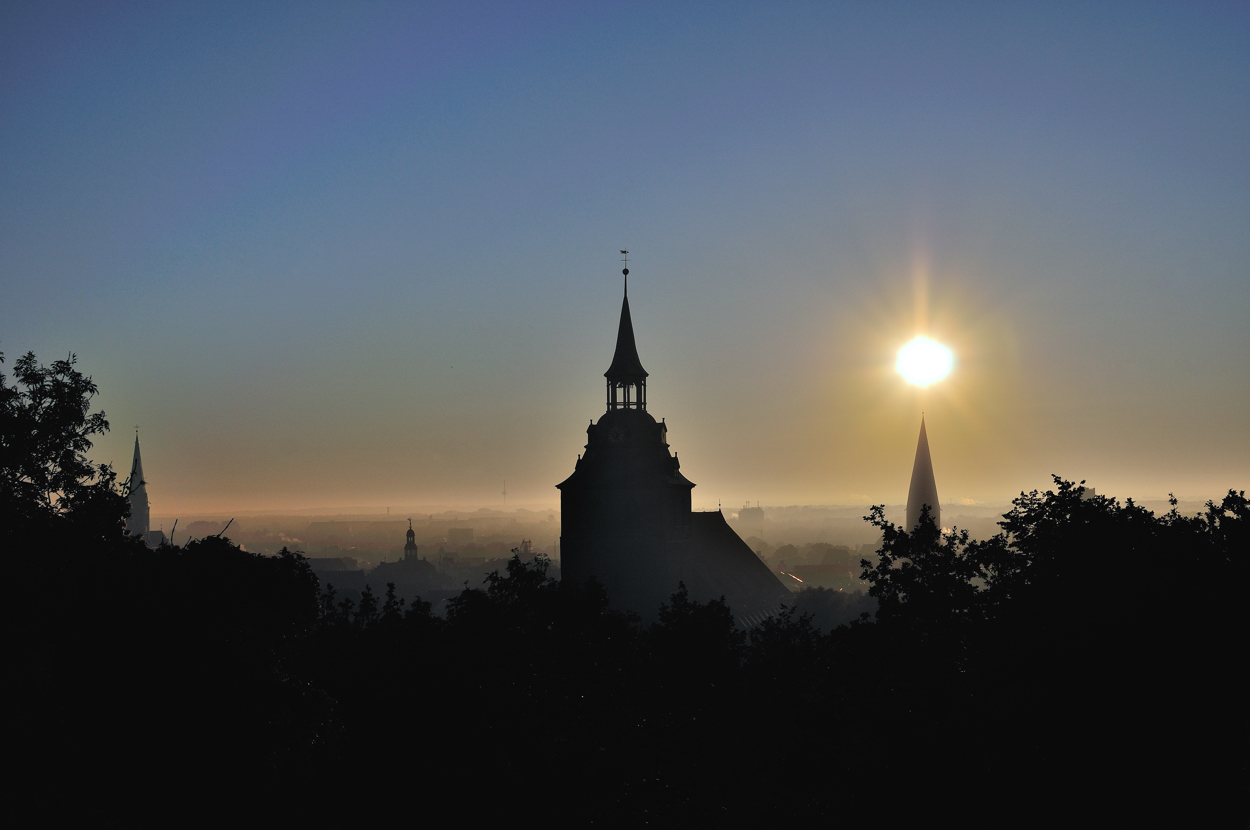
(924, 361)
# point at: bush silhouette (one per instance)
(1040, 669)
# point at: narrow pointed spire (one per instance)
(139, 521)
(625, 362)
(627, 380)
(136, 465)
(923, 489)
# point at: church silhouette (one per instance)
(626, 515)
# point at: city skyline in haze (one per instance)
(331, 256)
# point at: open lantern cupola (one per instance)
(627, 380)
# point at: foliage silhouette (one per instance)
(1038, 669)
(828, 609)
(924, 578)
(47, 485)
(1053, 631)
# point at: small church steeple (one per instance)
(627, 380)
(138, 491)
(410, 545)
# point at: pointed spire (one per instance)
(923, 489)
(136, 465)
(625, 362)
(139, 521)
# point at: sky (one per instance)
(365, 254)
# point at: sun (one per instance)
(924, 361)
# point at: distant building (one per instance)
(752, 517)
(139, 523)
(332, 564)
(410, 546)
(923, 489)
(342, 572)
(460, 535)
(626, 512)
(411, 575)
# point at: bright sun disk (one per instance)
(924, 361)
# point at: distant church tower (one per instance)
(923, 489)
(138, 524)
(410, 546)
(626, 511)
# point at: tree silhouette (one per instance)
(923, 577)
(1062, 658)
(47, 484)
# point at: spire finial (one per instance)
(625, 271)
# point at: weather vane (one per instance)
(625, 270)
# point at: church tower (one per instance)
(410, 546)
(923, 489)
(626, 511)
(138, 523)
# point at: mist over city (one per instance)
(685, 415)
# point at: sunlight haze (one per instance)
(349, 256)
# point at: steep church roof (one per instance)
(923, 489)
(715, 562)
(625, 363)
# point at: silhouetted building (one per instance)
(139, 523)
(412, 576)
(410, 545)
(752, 516)
(627, 518)
(923, 489)
(342, 579)
(331, 564)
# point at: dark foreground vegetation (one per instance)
(1055, 672)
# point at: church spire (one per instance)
(139, 521)
(627, 380)
(923, 489)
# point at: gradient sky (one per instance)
(364, 254)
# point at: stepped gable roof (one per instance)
(625, 363)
